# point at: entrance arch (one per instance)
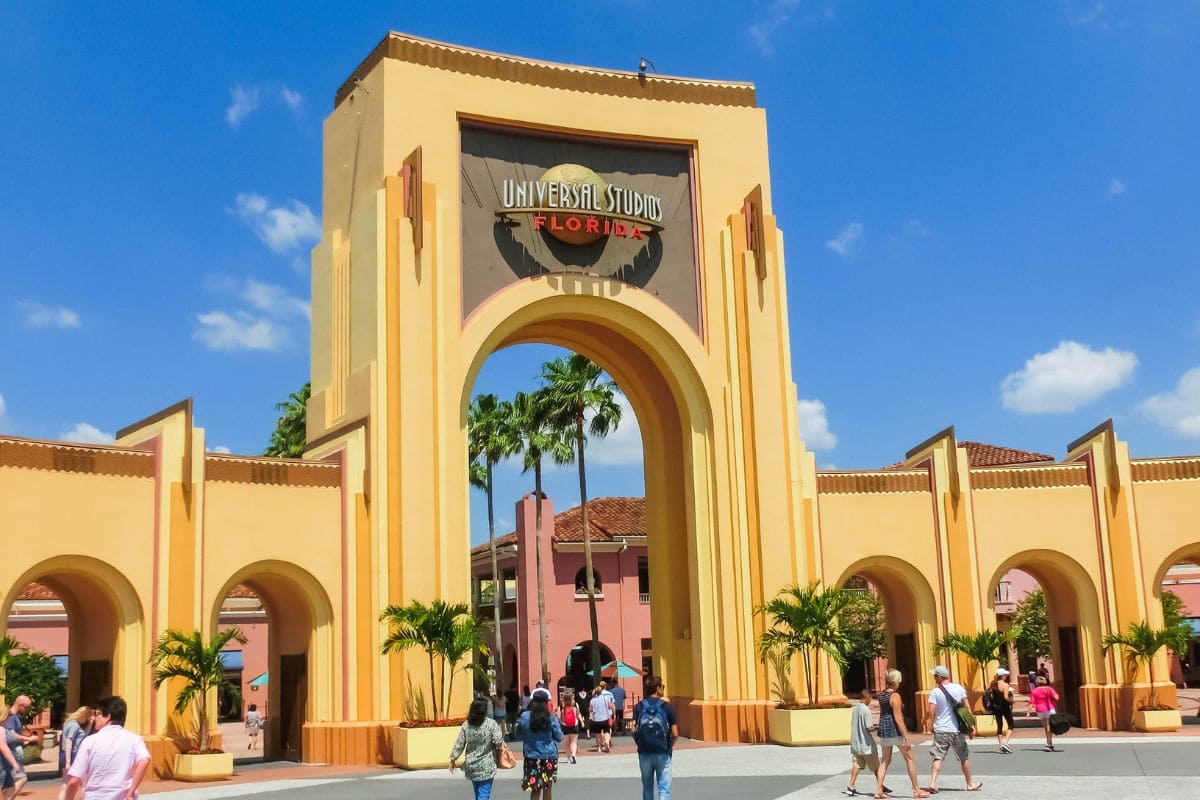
(911, 613)
(1073, 616)
(106, 630)
(300, 657)
(633, 342)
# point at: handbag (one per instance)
(504, 757)
(1059, 724)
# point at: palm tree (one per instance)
(539, 438)
(1141, 644)
(575, 389)
(7, 646)
(805, 620)
(490, 439)
(197, 663)
(290, 436)
(446, 632)
(983, 648)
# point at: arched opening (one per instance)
(247, 667)
(87, 616)
(578, 668)
(1179, 576)
(581, 582)
(297, 685)
(665, 396)
(909, 613)
(1072, 614)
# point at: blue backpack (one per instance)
(653, 733)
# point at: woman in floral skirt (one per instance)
(540, 734)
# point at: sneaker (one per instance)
(573, 761)
(849, 791)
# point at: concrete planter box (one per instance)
(1157, 721)
(803, 727)
(985, 725)
(423, 748)
(197, 767)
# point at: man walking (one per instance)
(618, 694)
(655, 735)
(111, 762)
(19, 737)
(947, 728)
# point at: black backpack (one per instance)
(653, 732)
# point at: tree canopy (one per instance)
(290, 436)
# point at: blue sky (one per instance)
(992, 211)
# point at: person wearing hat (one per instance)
(944, 698)
(998, 699)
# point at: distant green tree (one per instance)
(290, 436)
(1029, 616)
(34, 674)
(863, 622)
(983, 648)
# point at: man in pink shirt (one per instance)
(112, 761)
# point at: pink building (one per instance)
(618, 526)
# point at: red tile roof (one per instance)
(37, 591)
(608, 517)
(980, 454)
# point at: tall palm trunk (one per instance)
(587, 548)
(497, 588)
(541, 587)
(433, 700)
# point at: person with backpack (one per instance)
(998, 701)
(570, 719)
(655, 733)
(952, 724)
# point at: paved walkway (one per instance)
(1130, 768)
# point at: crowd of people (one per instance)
(953, 727)
(544, 729)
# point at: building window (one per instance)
(510, 585)
(485, 591)
(581, 582)
(1003, 592)
(643, 579)
(646, 644)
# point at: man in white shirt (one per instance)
(112, 762)
(946, 734)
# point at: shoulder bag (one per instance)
(963, 718)
(504, 757)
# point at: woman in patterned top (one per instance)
(479, 738)
(892, 731)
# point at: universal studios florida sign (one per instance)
(575, 205)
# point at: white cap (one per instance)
(1002, 671)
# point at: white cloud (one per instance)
(1116, 187)
(220, 449)
(914, 228)
(621, 447)
(291, 98)
(847, 240)
(86, 433)
(814, 426)
(37, 315)
(777, 15)
(244, 101)
(1069, 376)
(1178, 410)
(282, 228)
(239, 331)
(1089, 16)
(4, 421)
(275, 299)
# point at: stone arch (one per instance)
(106, 639)
(639, 342)
(911, 611)
(301, 682)
(1189, 552)
(1073, 603)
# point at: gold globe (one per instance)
(573, 174)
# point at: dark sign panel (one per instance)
(533, 205)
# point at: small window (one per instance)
(485, 591)
(1004, 592)
(510, 584)
(643, 575)
(581, 582)
(646, 644)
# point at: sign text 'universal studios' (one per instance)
(574, 204)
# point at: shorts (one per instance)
(569, 730)
(1046, 714)
(943, 743)
(866, 760)
(892, 741)
(598, 727)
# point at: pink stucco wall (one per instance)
(623, 620)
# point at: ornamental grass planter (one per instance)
(423, 748)
(199, 767)
(808, 727)
(1157, 720)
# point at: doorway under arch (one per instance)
(299, 679)
(105, 630)
(579, 664)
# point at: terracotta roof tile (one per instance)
(37, 591)
(609, 518)
(980, 454)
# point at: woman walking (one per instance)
(893, 732)
(1044, 700)
(1000, 703)
(540, 734)
(12, 771)
(254, 723)
(569, 716)
(479, 738)
(76, 728)
(500, 711)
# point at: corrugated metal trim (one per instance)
(272, 472)
(872, 482)
(1029, 477)
(1164, 469)
(67, 457)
